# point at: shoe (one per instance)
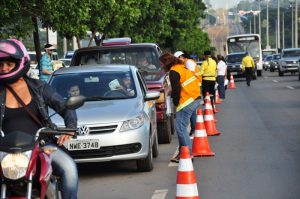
(175, 158)
(192, 132)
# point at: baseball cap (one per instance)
(178, 54)
(49, 47)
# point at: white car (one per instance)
(118, 119)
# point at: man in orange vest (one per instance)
(185, 95)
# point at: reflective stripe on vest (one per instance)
(187, 102)
(188, 81)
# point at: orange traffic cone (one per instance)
(231, 83)
(209, 120)
(200, 144)
(217, 98)
(186, 185)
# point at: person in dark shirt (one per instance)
(185, 94)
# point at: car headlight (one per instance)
(14, 166)
(133, 123)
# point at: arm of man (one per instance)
(176, 87)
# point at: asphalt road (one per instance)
(257, 154)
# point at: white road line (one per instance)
(173, 164)
(160, 194)
(275, 80)
(290, 87)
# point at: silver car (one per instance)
(118, 119)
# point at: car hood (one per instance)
(108, 111)
(291, 58)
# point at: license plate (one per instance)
(233, 73)
(87, 144)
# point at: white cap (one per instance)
(178, 53)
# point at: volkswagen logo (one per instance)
(83, 130)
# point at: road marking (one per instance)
(160, 194)
(275, 80)
(290, 87)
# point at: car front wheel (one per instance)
(146, 164)
(164, 130)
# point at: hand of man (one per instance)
(63, 138)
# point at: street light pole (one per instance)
(259, 19)
(296, 24)
(278, 23)
(268, 44)
(283, 30)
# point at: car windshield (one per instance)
(144, 58)
(269, 58)
(95, 85)
(291, 53)
(234, 58)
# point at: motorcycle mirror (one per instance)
(75, 102)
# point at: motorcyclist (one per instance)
(37, 96)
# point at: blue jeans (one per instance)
(182, 121)
(65, 167)
(221, 86)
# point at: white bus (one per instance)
(246, 43)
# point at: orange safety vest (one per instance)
(190, 89)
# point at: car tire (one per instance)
(155, 148)
(259, 73)
(280, 73)
(146, 164)
(173, 124)
(299, 76)
(164, 131)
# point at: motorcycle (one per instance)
(25, 161)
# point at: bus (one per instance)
(246, 43)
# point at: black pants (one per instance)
(248, 75)
(209, 86)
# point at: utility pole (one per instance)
(278, 24)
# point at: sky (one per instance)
(222, 3)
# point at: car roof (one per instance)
(95, 68)
(290, 49)
(117, 46)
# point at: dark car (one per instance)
(234, 65)
(274, 64)
(122, 51)
(267, 62)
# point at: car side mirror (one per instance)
(152, 95)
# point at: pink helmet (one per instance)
(13, 50)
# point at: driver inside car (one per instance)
(123, 84)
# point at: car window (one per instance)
(96, 85)
(143, 58)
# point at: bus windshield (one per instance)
(250, 46)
